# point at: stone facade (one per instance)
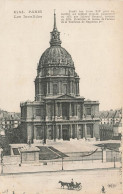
(111, 119)
(58, 112)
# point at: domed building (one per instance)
(58, 112)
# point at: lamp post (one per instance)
(62, 163)
(102, 154)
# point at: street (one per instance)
(43, 183)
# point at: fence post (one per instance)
(114, 162)
(1, 158)
(102, 155)
(62, 164)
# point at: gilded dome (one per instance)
(56, 56)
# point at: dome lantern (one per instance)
(55, 35)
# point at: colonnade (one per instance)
(46, 88)
(64, 110)
(63, 131)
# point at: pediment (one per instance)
(66, 96)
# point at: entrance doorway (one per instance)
(65, 133)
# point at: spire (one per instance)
(55, 34)
(55, 20)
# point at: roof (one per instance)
(111, 114)
(118, 113)
(103, 114)
(56, 55)
(9, 115)
(86, 102)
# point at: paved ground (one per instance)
(47, 183)
(73, 146)
(57, 166)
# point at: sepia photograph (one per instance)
(61, 70)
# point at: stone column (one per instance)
(51, 88)
(70, 109)
(54, 132)
(71, 87)
(47, 88)
(78, 88)
(60, 109)
(70, 128)
(58, 132)
(77, 109)
(59, 88)
(74, 109)
(46, 112)
(35, 132)
(44, 133)
(82, 111)
(56, 110)
(77, 131)
(85, 130)
(61, 133)
(39, 87)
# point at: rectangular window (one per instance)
(88, 111)
(38, 112)
(55, 89)
(81, 131)
(56, 71)
(89, 131)
(48, 87)
(72, 87)
(50, 132)
(72, 109)
(58, 105)
(65, 88)
(40, 132)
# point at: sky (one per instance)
(96, 50)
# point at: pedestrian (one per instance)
(72, 183)
(103, 189)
